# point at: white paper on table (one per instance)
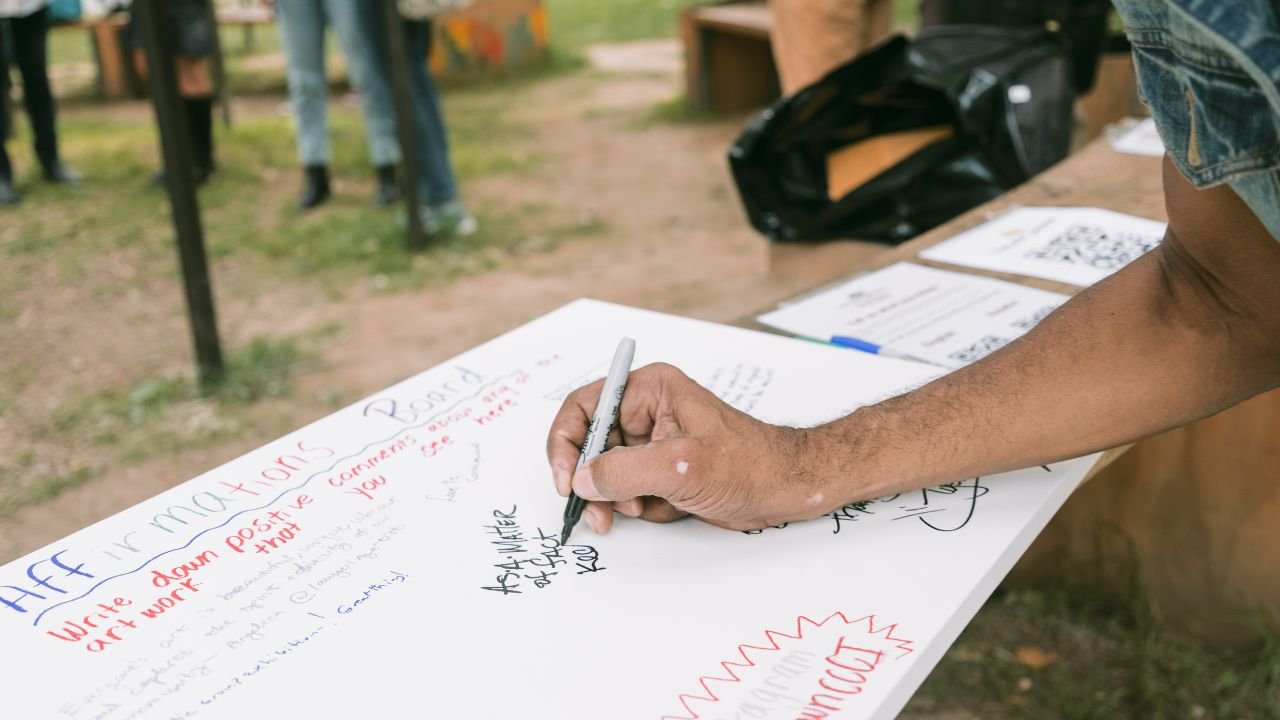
(946, 318)
(399, 558)
(1069, 244)
(1141, 139)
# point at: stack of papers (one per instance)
(944, 318)
(1079, 246)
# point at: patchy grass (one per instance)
(49, 488)
(576, 24)
(244, 209)
(677, 110)
(112, 236)
(350, 240)
(170, 413)
(1079, 655)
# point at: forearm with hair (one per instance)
(1180, 334)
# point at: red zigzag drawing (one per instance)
(772, 636)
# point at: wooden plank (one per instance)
(1191, 515)
(753, 20)
(112, 60)
(695, 78)
(728, 60)
(739, 71)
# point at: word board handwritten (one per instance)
(400, 558)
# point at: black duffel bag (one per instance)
(995, 103)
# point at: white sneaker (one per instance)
(448, 219)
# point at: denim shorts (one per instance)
(1210, 72)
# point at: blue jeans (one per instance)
(302, 31)
(1210, 71)
(437, 181)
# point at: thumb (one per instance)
(628, 472)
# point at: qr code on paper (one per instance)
(1095, 247)
(980, 349)
(1034, 318)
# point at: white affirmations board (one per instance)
(400, 558)
(946, 318)
(1072, 245)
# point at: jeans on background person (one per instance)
(26, 40)
(302, 30)
(438, 183)
(442, 210)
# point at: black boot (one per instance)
(200, 122)
(315, 188)
(388, 189)
(59, 173)
(199, 117)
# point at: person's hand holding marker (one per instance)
(679, 450)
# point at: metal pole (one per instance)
(398, 57)
(175, 141)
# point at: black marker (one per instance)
(601, 425)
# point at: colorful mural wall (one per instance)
(490, 35)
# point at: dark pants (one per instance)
(26, 42)
(433, 137)
(435, 170)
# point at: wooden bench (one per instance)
(729, 46)
(114, 76)
(108, 52)
(728, 59)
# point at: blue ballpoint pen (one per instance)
(874, 349)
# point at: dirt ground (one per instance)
(674, 239)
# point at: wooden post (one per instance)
(398, 62)
(6, 109)
(112, 59)
(175, 142)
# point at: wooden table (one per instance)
(1193, 514)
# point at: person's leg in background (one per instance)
(195, 85)
(188, 22)
(376, 104)
(302, 32)
(8, 195)
(30, 52)
(813, 37)
(444, 213)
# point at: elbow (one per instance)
(1229, 310)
